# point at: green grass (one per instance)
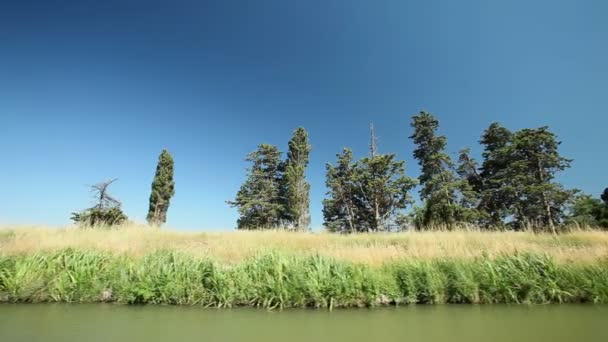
(278, 281)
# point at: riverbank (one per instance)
(279, 281)
(281, 270)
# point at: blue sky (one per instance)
(91, 90)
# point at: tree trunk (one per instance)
(549, 217)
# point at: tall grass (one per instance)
(275, 280)
(370, 249)
(275, 269)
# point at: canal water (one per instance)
(454, 323)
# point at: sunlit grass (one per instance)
(372, 249)
(277, 269)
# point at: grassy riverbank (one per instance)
(279, 269)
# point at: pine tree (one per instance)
(535, 161)
(382, 191)
(340, 213)
(366, 196)
(296, 188)
(258, 200)
(518, 178)
(163, 188)
(497, 196)
(438, 181)
(467, 169)
(470, 187)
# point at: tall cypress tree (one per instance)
(163, 188)
(258, 200)
(605, 196)
(437, 178)
(296, 188)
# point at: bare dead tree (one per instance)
(102, 197)
(105, 210)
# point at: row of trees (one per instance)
(514, 186)
(107, 210)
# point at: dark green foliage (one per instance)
(276, 193)
(535, 160)
(518, 178)
(340, 212)
(440, 186)
(470, 186)
(279, 281)
(163, 188)
(99, 217)
(468, 170)
(258, 200)
(294, 185)
(495, 200)
(366, 196)
(589, 212)
(605, 196)
(381, 191)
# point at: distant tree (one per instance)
(588, 212)
(258, 200)
(163, 188)
(340, 213)
(295, 187)
(437, 178)
(105, 212)
(605, 196)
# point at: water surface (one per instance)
(466, 323)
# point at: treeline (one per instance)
(513, 187)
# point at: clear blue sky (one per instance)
(95, 89)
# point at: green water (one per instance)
(98, 322)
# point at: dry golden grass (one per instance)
(230, 247)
